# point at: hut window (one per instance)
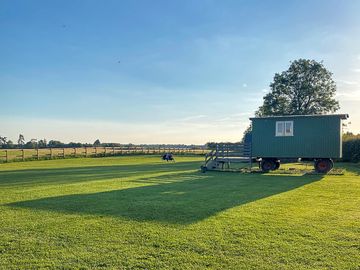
(284, 128)
(289, 128)
(279, 128)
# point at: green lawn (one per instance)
(140, 213)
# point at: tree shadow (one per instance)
(180, 198)
(67, 175)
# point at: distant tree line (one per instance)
(43, 143)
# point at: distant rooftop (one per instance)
(342, 116)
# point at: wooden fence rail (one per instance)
(7, 155)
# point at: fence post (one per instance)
(74, 151)
(6, 155)
(63, 153)
(51, 153)
(37, 153)
(23, 154)
(86, 151)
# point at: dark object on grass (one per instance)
(168, 157)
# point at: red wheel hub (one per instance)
(322, 165)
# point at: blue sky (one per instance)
(162, 71)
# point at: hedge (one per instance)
(351, 150)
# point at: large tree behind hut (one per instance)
(306, 87)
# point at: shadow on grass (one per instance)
(69, 175)
(180, 198)
(351, 167)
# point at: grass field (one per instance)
(140, 213)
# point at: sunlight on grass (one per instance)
(139, 212)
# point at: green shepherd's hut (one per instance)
(316, 137)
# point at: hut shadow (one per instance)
(187, 198)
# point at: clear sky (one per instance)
(162, 71)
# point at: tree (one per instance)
(97, 143)
(32, 144)
(54, 144)
(3, 140)
(247, 135)
(9, 144)
(74, 144)
(42, 143)
(306, 87)
(21, 140)
(210, 145)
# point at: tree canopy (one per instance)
(97, 143)
(306, 87)
(21, 140)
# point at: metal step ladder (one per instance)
(224, 155)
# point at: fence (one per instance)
(7, 155)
